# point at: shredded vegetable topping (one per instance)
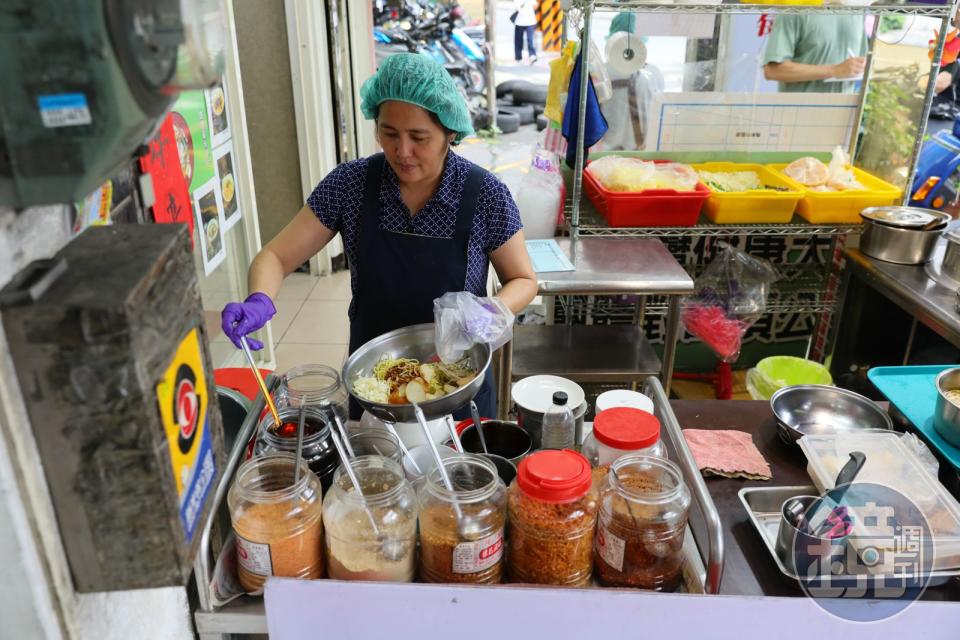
(404, 380)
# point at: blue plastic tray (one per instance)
(911, 390)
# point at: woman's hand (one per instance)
(239, 319)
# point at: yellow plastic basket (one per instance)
(844, 207)
(752, 207)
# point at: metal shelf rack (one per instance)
(585, 221)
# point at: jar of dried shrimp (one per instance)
(462, 531)
(644, 505)
(552, 513)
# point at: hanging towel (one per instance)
(595, 125)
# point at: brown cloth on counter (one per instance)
(727, 453)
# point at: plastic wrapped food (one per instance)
(837, 176)
(632, 174)
(808, 171)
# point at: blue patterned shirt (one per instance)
(338, 200)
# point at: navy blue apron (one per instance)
(400, 274)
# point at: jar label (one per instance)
(254, 557)
(610, 547)
(479, 555)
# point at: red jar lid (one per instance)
(626, 428)
(555, 476)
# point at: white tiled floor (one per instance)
(311, 325)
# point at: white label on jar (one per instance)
(610, 547)
(472, 557)
(254, 557)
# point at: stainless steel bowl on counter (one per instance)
(904, 235)
(946, 415)
(811, 409)
(950, 266)
(415, 341)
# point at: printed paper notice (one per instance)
(547, 256)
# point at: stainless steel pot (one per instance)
(951, 256)
(946, 415)
(885, 239)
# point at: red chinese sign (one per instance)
(162, 163)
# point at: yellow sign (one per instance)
(184, 400)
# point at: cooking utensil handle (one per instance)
(343, 433)
(353, 479)
(691, 475)
(259, 379)
(475, 414)
(403, 447)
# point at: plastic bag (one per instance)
(539, 197)
(463, 320)
(729, 297)
(926, 456)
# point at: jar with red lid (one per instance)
(621, 431)
(552, 513)
(644, 505)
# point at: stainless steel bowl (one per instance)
(895, 244)
(814, 409)
(417, 342)
(946, 415)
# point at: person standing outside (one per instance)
(524, 24)
(816, 53)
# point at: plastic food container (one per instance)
(354, 550)
(317, 450)
(277, 523)
(775, 372)
(844, 207)
(752, 207)
(644, 505)
(623, 398)
(890, 463)
(465, 546)
(621, 431)
(648, 208)
(552, 513)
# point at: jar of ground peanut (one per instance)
(277, 521)
(461, 531)
(622, 431)
(371, 536)
(644, 505)
(552, 512)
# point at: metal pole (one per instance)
(581, 118)
(854, 134)
(490, 9)
(925, 111)
(670, 342)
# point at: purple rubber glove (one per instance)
(239, 319)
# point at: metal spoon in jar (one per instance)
(300, 426)
(475, 414)
(403, 447)
(389, 549)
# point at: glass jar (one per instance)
(355, 549)
(552, 512)
(621, 431)
(644, 505)
(375, 441)
(318, 449)
(461, 531)
(313, 385)
(277, 523)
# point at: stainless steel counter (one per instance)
(604, 266)
(614, 266)
(910, 288)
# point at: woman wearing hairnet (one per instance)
(417, 220)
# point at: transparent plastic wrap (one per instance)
(463, 320)
(730, 296)
(540, 197)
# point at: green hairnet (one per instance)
(623, 21)
(419, 80)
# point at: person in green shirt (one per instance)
(814, 53)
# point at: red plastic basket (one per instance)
(650, 208)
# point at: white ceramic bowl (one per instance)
(410, 432)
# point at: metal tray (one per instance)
(763, 506)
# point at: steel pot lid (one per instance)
(953, 235)
(905, 217)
